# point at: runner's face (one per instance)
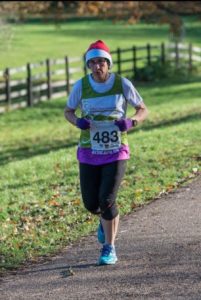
(99, 67)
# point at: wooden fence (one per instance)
(53, 78)
(27, 85)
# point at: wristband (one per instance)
(134, 122)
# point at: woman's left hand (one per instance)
(124, 124)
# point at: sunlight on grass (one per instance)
(37, 42)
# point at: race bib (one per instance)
(104, 136)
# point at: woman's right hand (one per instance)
(83, 123)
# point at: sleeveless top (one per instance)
(103, 142)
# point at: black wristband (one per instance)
(134, 122)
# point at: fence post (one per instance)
(176, 55)
(190, 65)
(8, 88)
(29, 86)
(148, 54)
(119, 61)
(163, 53)
(134, 60)
(49, 87)
(67, 74)
(84, 66)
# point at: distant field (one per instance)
(36, 42)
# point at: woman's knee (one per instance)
(109, 212)
(92, 209)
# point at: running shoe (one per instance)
(108, 255)
(101, 234)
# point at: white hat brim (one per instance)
(93, 53)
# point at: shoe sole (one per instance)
(102, 263)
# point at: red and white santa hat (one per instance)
(98, 49)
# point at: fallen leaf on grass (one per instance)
(125, 183)
(134, 205)
(147, 189)
(54, 203)
(76, 202)
(138, 193)
(170, 188)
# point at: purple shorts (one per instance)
(85, 155)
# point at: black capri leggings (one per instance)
(99, 187)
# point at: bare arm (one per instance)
(70, 115)
(141, 113)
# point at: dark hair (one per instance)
(108, 62)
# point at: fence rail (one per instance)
(53, 78)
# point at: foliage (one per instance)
(157, 71)
(132, 11)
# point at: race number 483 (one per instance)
(106, 137)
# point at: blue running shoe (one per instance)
(101, 234)
(108, 255)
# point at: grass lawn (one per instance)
(41, 207)
(35, 42)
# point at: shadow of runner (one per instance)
(68, 270)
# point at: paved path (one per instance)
(159, 251)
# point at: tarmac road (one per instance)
(159, 252)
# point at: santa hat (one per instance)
(98, 49)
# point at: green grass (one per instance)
(40, 41)
(35, 42)
(41, 207)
